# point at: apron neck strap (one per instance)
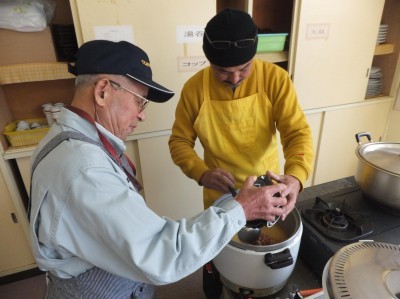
(128, 167)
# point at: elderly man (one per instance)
(90, 228)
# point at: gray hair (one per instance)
(83, 80)
(91, 79)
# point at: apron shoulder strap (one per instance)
(53, 143)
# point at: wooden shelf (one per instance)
(18, 152)
(384, 49)
(33, 72)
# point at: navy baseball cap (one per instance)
(119, 58)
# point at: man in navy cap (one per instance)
(90, 228)
(235, 107)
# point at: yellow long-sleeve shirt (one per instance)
(288, 119)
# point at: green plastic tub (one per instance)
(271, 42)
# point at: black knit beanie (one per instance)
(230, 25)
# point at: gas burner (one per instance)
(318, 244)
(335, 219)
(338, 221)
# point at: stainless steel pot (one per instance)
(378, 170)
(261, 267)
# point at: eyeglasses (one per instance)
(142, 104)
(225, 44)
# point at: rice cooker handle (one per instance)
(278, 260)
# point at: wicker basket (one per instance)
(27, 137)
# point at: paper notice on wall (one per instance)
(189, 34)
(317, 31)
(192, 63)
(114, 33)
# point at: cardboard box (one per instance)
(26, 47)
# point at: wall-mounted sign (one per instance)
(317, 31)
(114, 33)
(189, 34)
(192, 63)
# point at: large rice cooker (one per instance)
(263, 269)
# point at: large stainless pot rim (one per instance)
(378, 171)
(384, 156)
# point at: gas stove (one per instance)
(333, 219)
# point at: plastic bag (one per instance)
(26, 15)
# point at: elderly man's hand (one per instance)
(259, 202)
(291, 192)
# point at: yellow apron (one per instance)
(237, 135)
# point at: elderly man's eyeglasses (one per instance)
(142, 104)
(225, 44)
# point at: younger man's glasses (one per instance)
(225, 44)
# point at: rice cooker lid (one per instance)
(365, 269)
(382, 155)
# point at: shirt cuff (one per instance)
(235, 212)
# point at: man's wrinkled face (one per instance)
(123, 107)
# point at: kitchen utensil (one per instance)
(363, 270)
(378, 170)
(249, 235)
(233, 191)
(251, 232)
(261, 267)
